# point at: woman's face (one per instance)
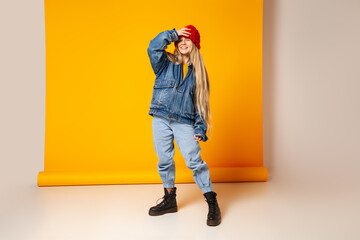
(184, 45)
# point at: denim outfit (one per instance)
(172, 96)
(175, 116)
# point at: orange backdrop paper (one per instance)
(99, 86)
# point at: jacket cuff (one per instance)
(174, 35)
(200, 130)
(204, 137)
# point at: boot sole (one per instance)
(213, 222)
(170, 210)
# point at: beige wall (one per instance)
(310, 90)
(311, 84)
(22, 91)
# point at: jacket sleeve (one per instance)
(156, 49)
(200, 127)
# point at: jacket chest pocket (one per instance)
(188, 105)
(162, 92)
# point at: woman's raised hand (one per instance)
(197, 138)
(183, 31)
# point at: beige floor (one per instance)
(251, 210)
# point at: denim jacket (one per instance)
(172, 97)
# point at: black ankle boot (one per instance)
(167, 205)
(214, 215)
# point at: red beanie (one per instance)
(194, 36)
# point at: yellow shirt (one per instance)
(185, 69)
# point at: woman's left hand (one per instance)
(197, 138)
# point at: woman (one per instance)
(180, 110)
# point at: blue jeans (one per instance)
(164, 132)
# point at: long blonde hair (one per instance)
(202, 90)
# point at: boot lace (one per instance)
(212, 205)
(164, 198)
